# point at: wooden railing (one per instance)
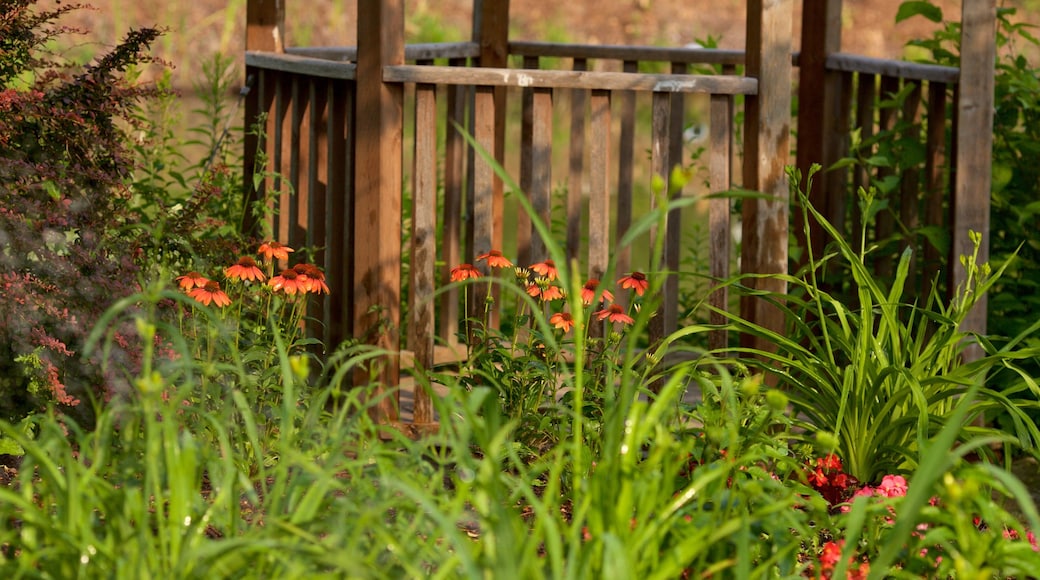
(308, 138)
(335, 134)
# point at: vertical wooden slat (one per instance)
(935, 160)
(454, 161)
(767, 137)
(659, 164)
(484, 230)
(523, 221)
(317, 169)
(673, 231)
(283, 156)
(491, 28)
(866, 91)
(971, 198)
(424, 243)
(541, 161)
(626, 161)
(576, 157)
(338, 224)
(377, 227)
(599, 184)
(298, 156)
(910, 189)
(887, 119)
(718, 212)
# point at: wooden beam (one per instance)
(564, 79)
(971, 200)
(377, 231)
(818, 95)
(767, 142)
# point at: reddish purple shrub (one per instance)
(64, 256)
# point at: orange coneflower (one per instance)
(614, 313)
(562, 320)
(636, 281)
(191, 280)
(588, 292)
(210, 293)
(495, 259)
(546, 268)
(311, 276)
(289, 282)
(464, 272)
(272, 251)
(245, 270)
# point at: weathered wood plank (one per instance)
(541, 161)
(720, 180)
(265, 25)
(421, 327)
(971, 199)
(377, 227)
(626, 183)
(884, 262)
(575, 166)
(451, 242)
(317, 168)
(866, 90)
(338, 213)
(767, 137)
(523, 220)
(910, 190)
(673, 230)
(934, 183)
(412, 52)
(892, 68)
(484, 230)
(660, 167)
(502, 77)
(599, 183)
(303, 65)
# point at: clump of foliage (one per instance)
(64, 161)
(1015, 211)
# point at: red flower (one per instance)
(463, 272)
(562, 320)
(210, 293)
(817, 478)
(191, 280)
(636, 281)
(588, 292)
(312, 277)
(832, 462)
(495, 259)
(272, 251)
(289, 282)
(546, 269)
(614, 313)
(246, 269)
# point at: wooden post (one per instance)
(378, 175)
(767, 137)
(265, 31)
(819, 92)
(491, 30)
(974, 150)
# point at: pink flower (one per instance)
(893, 486)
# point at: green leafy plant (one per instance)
(877, 378)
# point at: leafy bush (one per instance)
(63, 165)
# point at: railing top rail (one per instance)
(630, 53)
(302, 65)
(418, 51)
(893, 68)
(501, 77)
